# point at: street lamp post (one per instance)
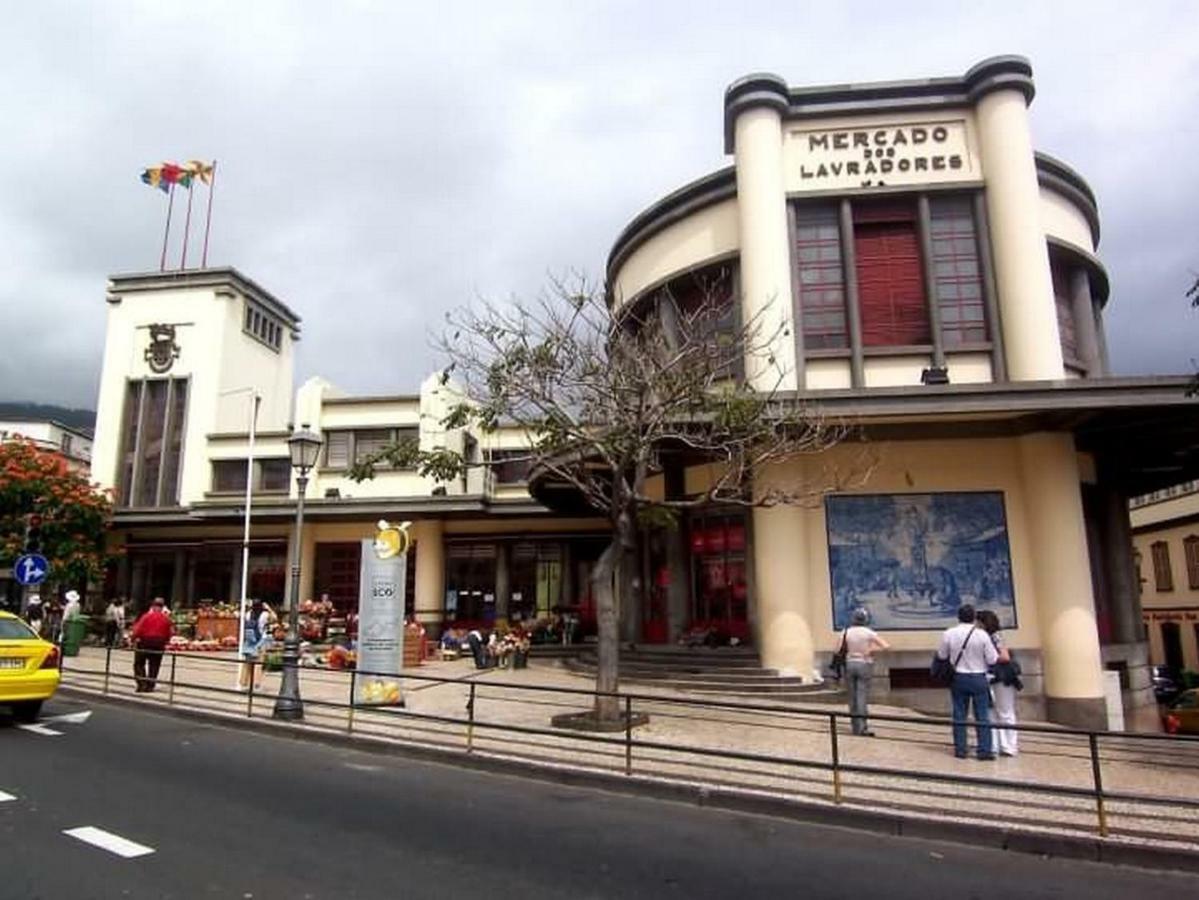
(304, 447)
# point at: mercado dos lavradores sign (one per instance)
(880, 155)
(381, 588)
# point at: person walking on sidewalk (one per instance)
(114, 622)
(35, 614)
(971, 652)
(860, 644)
(150, 634)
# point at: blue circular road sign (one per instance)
(30, 569)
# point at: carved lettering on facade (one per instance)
(881, 155)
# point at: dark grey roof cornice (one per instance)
(226, 277)
(1058, 177)
(1100, 284)
(993, 74)
(323, 509)
(675, 206)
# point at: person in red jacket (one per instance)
(150, 634)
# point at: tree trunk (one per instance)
(604, 578)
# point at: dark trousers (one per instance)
(967, 690)
(111, 633)
(147, 660)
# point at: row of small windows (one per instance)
(263, 326)
(1163, 575)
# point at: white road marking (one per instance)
(39, 729)
(106, 840)
(71, 718)
(4, 798)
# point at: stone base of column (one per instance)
(1077, 712)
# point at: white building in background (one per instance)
(74, 444)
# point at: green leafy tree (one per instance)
(74, 513)
(604, 398)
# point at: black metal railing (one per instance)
(1180, 753)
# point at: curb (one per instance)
(1060, 846)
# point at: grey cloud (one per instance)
(384, 163)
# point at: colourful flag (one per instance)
(153, 177)
(200, 169)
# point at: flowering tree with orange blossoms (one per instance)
(75, 513)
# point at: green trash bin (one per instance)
(73, 632)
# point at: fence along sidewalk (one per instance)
(1131, 787)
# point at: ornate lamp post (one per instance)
(304, 447)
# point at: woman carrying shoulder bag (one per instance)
(1005, 682)
(860, 644)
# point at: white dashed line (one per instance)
(4, 798)
(106, 840)
(39, 729)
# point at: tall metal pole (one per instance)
(166, 232)
(288, 705)
(208, 219)
(245, 540)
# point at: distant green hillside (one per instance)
(77, 418)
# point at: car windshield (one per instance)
(15, 630)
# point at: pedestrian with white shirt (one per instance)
(968, 648)
(860, 644)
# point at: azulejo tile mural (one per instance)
(912, 559)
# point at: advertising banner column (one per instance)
(382, 582)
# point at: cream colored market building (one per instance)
(935, 282)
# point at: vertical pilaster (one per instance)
(503, 579)
(924, 219)
(853, 313)
(179, 579)
(986, 265)
(783, 623)
(430, 573)
(1021, 257)
(1064, 604)
(766, 294)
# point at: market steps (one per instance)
(733, 671)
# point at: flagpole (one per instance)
(208, 222)
(245, 543)
(187, 225)
(162, 264)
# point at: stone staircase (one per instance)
(728, 671)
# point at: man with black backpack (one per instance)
(969, 650)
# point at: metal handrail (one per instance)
(626, 742)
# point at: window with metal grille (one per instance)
(956, 271)
(274, 474)
(704, 302)
(228, 475)
(152, 442)
(1163, 578)
(890, 278)
(1190, 548)
(337, 449)
(821, 276)
(1064, 303)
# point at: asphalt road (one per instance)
(241, 815)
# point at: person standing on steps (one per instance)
(1005, 682)
(968, 647)
(861, 642)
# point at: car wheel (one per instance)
(26, 712)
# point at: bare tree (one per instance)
(601, 394)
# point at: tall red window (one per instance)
(890, 279)
(956, 271)
(821, 276)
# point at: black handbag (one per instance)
(836, 666)
(941, 670)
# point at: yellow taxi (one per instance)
(28, 668)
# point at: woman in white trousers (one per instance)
(1003, 688)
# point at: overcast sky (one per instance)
(383, 162)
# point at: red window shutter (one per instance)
(890, 285)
